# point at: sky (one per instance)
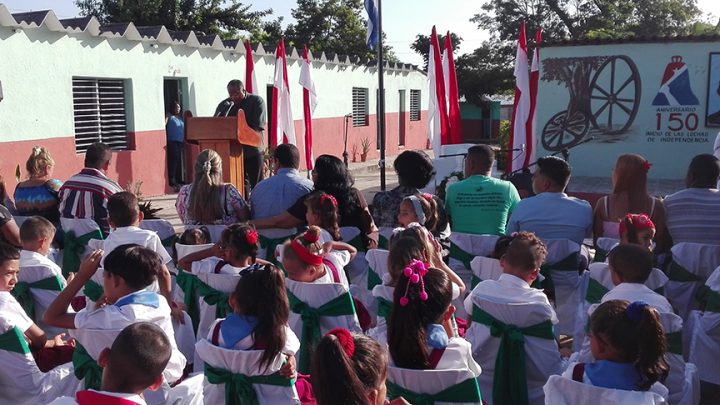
(401, 23)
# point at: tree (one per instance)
(212, 17)
(332, 26)
(422, 44)
(485, 71)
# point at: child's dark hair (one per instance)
(260, 292)
(429, 207)
(36, 227)
(137, 265)
(501, 246)
(341, 379)
(138, 356)
(325, 207)
(632, 263)
(419, 233)
(525, 251)
(123, 209)
(402, 251)
(235, 237)
(8, 252)
(635, 332)
(191, 235)
(407, 325)
(631, 224)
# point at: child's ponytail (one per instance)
(325, 206)
(243, 238)
(651, 356)
(346, 368)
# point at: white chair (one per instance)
(188, 392)
(691, 265)
(45, 285)
(215, 231)
(358, 267)
(164, 230)
(377, 266)
(219, 288)
(412, 384)
(703, 329)
(385, 235)
(316, 299)
(271, 239)
(484, 268)
(561, 269)
(542, 355)
(22, 382)
(464, 248)
(77, 234)
(564, 391)
(682, 382)
(603, 246)
(246, 363)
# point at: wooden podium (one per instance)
(226, 136)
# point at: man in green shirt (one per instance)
(480, 204)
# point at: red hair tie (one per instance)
(346, 340)
(646, 165)
(427, 196)
(639, 221)
(311, 237)
(305, 256)
(251, 237)
(329, 197)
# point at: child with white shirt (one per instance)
(36, 236)
(134, 363)
(630, 266)
(307, 259)
(237, 249)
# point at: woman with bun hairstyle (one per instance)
(38, 195)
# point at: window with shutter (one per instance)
(360, 108)
(414, 105)
(99, 113)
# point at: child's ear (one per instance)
(103, 357)
(157, 383)
(449, 313)
(141, 216)
(535, 273)
(232, 302)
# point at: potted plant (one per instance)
(365, 143)
(354, 152)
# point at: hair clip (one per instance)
(347, 342)
(207, 166)
(417, 207)
(36, 150)
(329, 197)
(646, 165)
(251, 237)
(415, 271)
(635, 312)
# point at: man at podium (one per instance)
(254, 108)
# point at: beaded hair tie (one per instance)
(415, 271)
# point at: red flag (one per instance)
(282, 129)
(437, 108)
(251, 85)
(309, 104)
(531, 131)
(521, 107)
(455, 120)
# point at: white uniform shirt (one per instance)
(208, 265)
(12, 314)
(133, 234)
(508, 289)
(638, 292)
(340, 259)
(128, 397)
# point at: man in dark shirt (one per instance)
(254, 108)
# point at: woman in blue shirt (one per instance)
(175, 131)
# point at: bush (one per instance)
(503, 140)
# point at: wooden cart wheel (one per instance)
(564, 130)
(615, 91)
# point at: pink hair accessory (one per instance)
(427, 196)
(346, 340)
(329, 197)
(415, 271)
(646, 165)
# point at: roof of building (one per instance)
(632, 40)
(161, 35)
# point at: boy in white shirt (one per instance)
(630, 266)
(36, 236)
(134, 363)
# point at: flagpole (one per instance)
(381, 98)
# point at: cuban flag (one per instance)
(372, 24)
(521, 107)
(251, 85)
(309, 104)
(283, 129)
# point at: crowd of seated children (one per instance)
(236, 250)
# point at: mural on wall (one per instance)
(605, 94)
(712, 116)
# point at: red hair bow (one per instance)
(346, 340)
(329, 197)
(646, 165)
(251, 237)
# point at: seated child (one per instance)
(349, 368)
(36, 235)
(191, 236)
(630, 266)
(134, 363)
(47, 352)
(421, 334)
(308, 260)
(322, 211)
(124, 216)
(628, 345)
(421, 209)
(637, 229)
(237, 249)
(128, 271)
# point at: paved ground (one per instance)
(367, 180)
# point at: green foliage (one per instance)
(212, 17)
(422, 45)
(504, 144)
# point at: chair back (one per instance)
(448, 386)
(77, 234)
(691, 265)
(385, 235)
(164, 230)
(270, 239)
(215, 231)
(562, 273)
(43, 297)
(221, 287)
(603, 246)
(564, 391)
(485, 268)
(184, 250)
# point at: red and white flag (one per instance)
(521, 108)
(283, 129)
(437, 105)
(309, 104)
(251, 85)
(453, 98)
(530, 127)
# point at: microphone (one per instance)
(522, 148)
(232, 104)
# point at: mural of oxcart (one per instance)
(604, 96)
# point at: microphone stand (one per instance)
(565, 152)
(345, 137)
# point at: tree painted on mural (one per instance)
(212, 17)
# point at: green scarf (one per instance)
(214, 297)
(86, 368)
(384, 308)
(712, 301)
(570, 263)
(595, 291)
(466, 391)
(193, 288)
(474, 281)
(373, 279)
(93, 290)
(169, 241)
(674, 342)
(510, 382)
(239, 387)
(600, 255)
(270, 245)
(676, 272)
(73, 249)
(14, 341)
(357, 243)
(23, 295)
(339, 306)
(383, 242)
(458, 254)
